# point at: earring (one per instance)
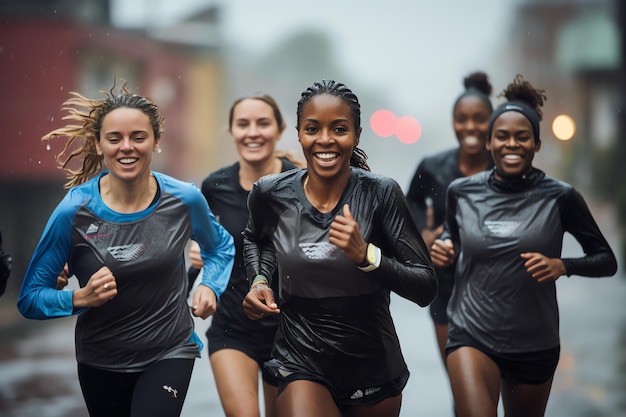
(159, 150)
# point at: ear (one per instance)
(537, 145)
(157, 140)
(357, 139)
(98, 149)
(488, 145)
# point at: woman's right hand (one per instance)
(259, 302)
(100, 288)
(442, 253)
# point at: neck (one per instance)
(127, 197)
(251, 172)
(473, 164)
(324, 194)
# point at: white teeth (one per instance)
(253, 145)
(128, 160)
(325, 155)
(512, 157)
(471, 140)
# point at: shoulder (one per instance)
(184, 190)
(223, 173)
(280, 181)
(381, 185)
(472, 182)
(221, 178)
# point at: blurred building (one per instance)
(49, 48)
(572, 50)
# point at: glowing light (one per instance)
(383, 123)
(408, 129)
(563, 127)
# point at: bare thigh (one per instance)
(525, 400)
(475, 381)
(237, 379)
(306, 399)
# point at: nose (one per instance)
(253, 130)
(127, 144)
(325, 135)
(511, 142)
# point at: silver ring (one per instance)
(106, 286)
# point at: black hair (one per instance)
(359, 157)
(476, 84)
(524, 98)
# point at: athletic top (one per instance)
(431, 179)
(228, 200)
(335, 320)
(495, 300)
(149, 318)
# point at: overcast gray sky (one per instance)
(416, 52)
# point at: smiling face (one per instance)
(255, 130)
(471, 122)
(512, 145)
(327, 135)
(126, 143)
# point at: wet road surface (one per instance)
(38, 369)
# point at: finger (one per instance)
(346, 212)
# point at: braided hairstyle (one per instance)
(358, 158)
(88, 115)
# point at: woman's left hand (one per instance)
(346, 235)
(204, 302)
(542, 268)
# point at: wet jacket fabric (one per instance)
(228, 200)
(495, 300)
(431, 180)
(335, 320)
(149, 318)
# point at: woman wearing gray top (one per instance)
(505, 230)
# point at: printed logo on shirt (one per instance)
(320, 250)
(502, 228)
(171, 390)
(126, 253)
(93, 228)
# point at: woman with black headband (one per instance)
(426, 195)
(504, 229)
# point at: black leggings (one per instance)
(159, 391)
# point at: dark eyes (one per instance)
(314, 129)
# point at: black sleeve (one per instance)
(192, 274)
(258, 251)
(405, 267)
(416, 197)
(599, 259)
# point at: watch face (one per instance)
(371, 254)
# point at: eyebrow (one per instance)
(134, 132)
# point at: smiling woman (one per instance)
(504, 231)
(341, 239)
(122, 233)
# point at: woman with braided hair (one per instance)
(122, 232)
(504, 231)
(342, 239)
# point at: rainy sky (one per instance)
(415, 52)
